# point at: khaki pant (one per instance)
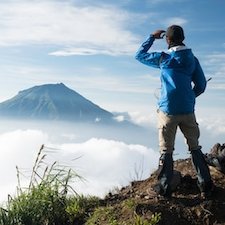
(168, 124)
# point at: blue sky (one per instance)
(90, 46)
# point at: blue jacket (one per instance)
(182, 78)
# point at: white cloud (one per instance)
(215, 68)
(18, 148)
(119, 118)
(147, 119)
(90, 51)
(78, 30)
(104, 164)
(108, 163)
(214, 124)
(211, 122)
(20, 145)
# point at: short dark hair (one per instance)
(175, 33)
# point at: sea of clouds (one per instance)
(105, 158)
(103, 164)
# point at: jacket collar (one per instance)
(177, 48)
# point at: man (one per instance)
(182, 80)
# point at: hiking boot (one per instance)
(167, 194)
(207, 193)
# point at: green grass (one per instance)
(120, 215)
(49, 199)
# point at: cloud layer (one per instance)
(104, 164)
(18, 148)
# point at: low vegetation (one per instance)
(50, 200)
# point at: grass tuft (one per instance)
(46, 201)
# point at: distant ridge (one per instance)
(53, 102)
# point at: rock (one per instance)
(176, 180)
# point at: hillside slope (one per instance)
(185, 208)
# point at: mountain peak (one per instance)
(54, 102)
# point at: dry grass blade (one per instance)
(36, 164)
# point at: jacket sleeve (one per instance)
(150, 59)
(198, 79)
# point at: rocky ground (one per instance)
(186, 206)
